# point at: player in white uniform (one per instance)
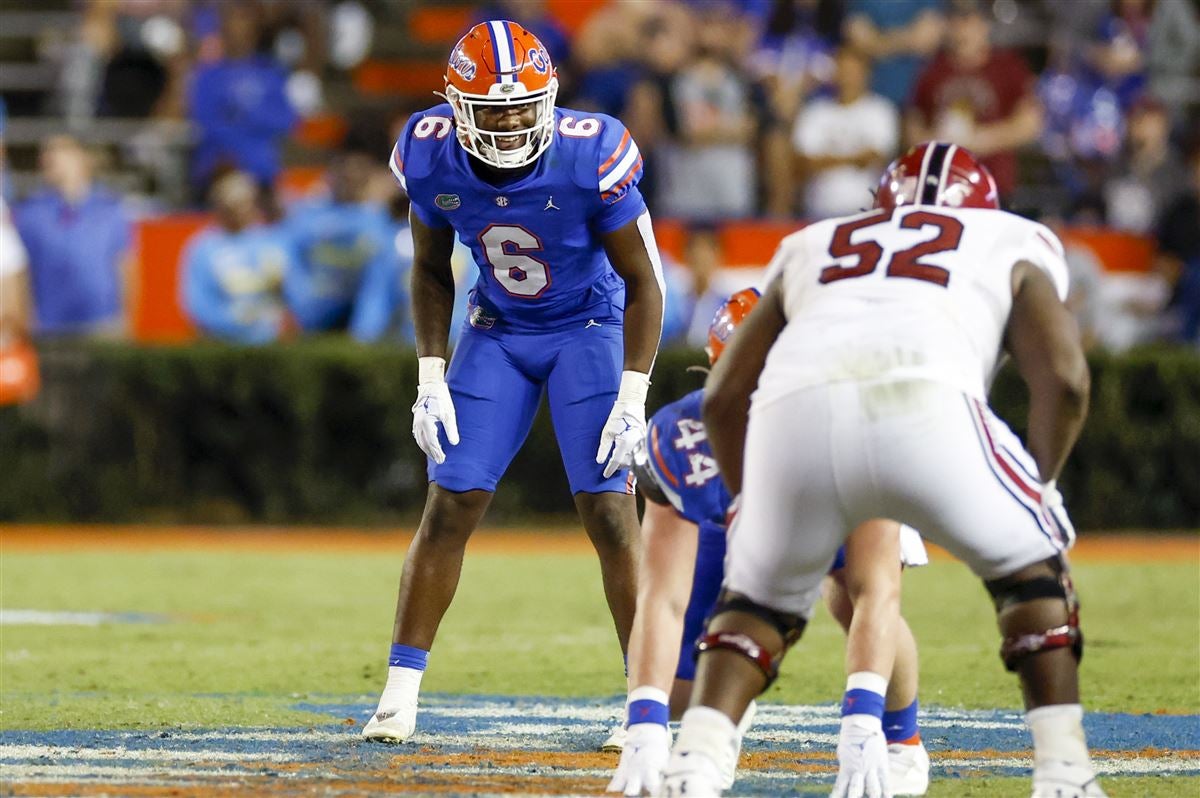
(872, 350)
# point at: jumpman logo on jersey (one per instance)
(592, 323)
(550, 206)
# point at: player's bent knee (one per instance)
(1048, 579)
(451, 515)
(789, 627)
(607, 519)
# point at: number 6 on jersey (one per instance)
(507, 248)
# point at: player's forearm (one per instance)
(432, 308)
(664, 587)
(654, 645)
(1057, 410)
(633, 253)
(725, 416)
(643, 324)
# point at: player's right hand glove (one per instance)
(1052, 508)
(433, 406)
(862, 759)
(640, 772)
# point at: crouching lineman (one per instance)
(684, 549)
(871, 349)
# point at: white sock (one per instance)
(403, 685)
(1058, 734)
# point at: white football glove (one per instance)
(862, 759)
(433, 406)
(640, 772)
(625, 429)
(1052, 508)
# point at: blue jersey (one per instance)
(536, 238)
(683, 464)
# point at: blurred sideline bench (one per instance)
(157, 318)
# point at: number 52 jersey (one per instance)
(535, 238)
(914, 293)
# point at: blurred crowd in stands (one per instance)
(1087, 112)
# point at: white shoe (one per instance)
(391, 726)
(1065, 780)
(615, 743)
(908, 769)
(693, 774)
(730, 769)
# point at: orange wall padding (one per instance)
(157, 317)
(156, 314)
(1116, 251)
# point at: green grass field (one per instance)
(250, 635)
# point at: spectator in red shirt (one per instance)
(976, 96)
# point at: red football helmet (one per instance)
(726, 320)
(937, 173)
(499, 64)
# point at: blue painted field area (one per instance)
(488, 745)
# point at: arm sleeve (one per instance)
(619, 170)
(1044, 249)
(665, 479)
(429, 216)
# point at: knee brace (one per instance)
(789, 626)
(1008, 592)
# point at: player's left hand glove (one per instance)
(1052, 508)
(862, 759)
(625, 430)
(640, 772)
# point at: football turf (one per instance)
(231, 636)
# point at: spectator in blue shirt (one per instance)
(233, 272)
(382, 307)
(336, 241)
(900, 35)
(239, 105)
(77, 236)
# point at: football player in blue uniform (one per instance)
(680, 579)
(569, 303)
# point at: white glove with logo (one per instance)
(625, 430)
(862, 759)
(640, 772)
(1052, 508)
(433, 406)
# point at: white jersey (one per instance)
(916, 293)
